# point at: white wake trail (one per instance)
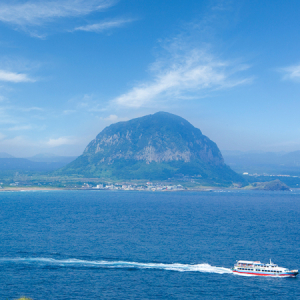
(205, 268)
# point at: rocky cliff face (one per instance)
(161, 137)
(161, 144)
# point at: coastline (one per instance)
(202, 189)
(20, 189)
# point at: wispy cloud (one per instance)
(60, 141)
(30, 109)
(102, 26)
(18, 128)
(14, 77)
(69, 111)
(18, 141)
(182, 76)
(86, 103)
(291, 72)
(111, 118)
(40, 12)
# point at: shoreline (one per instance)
(204, 189)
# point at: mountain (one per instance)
(37, 163)
(291, 158)
(154, 147)
(5, 155)
(52, 158)
(274, 185)
(263, 162)
(25, 165)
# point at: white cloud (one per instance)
(34, 108)
(111, 118)
(2, 136)
(40, 12)
(60, 141)
(86, 103)
(183, 75)
(18, 128)
(99, 27)
(69, 111)
(18, 141)
(14, 77)
(18, 146)
(292, 73)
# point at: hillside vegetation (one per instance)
(154, 147)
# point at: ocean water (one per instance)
(146, 245)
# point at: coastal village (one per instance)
(149, 186)
(132, 187)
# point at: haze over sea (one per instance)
(143, 245)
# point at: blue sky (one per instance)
(69, 68)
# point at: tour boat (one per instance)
(245, 267)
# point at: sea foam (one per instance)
(205, 268)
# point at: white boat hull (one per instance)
(256, 268)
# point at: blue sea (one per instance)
(146, 245)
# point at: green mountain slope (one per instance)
(157, 146)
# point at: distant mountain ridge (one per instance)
(37, 163)
(26, 165)
(51, 158)
(5, 155)
(155, 146)
(263, 162)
